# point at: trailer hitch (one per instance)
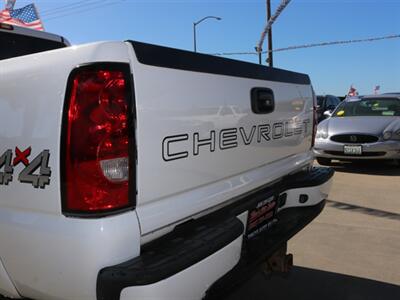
(279, 263)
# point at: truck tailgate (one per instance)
(200, 142)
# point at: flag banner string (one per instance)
(373, 39)
(271, 21)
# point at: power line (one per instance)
(79, 10)
(234, 53)
(395, 36)
(77, 7)
(373, 39)
(55, 9)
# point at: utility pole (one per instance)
(270, 59)
(259, 51)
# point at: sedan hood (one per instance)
(367, 125)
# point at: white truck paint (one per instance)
(199, 148)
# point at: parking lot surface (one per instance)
(352, 250)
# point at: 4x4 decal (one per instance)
(37, 172)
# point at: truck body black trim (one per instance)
(180, 248)
(166, 57)
(168, 255)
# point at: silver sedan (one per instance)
(365, 127)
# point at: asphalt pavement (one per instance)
(351, 251)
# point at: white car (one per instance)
(366, 127)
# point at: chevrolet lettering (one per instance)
(229, 138)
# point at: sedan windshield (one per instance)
(369, 107)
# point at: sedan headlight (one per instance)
(390, 135)
(396, 136)
(387, 135)
(322, 135)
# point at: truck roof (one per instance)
(4, 27)
(17, 41)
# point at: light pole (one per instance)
(194, 29)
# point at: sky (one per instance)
(332, 69)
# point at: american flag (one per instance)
(376, 89)
(26, 16)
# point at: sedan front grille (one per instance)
(354, 138)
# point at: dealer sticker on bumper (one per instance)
(262, 217)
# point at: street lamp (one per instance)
(194, 29)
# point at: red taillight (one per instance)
(96, 141)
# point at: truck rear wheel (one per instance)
(324, 161)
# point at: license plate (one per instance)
(352, 150)
(262, 217)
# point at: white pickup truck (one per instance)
(134, 171)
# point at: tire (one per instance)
(324, 161)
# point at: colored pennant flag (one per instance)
(26, 16)
(352, 91)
